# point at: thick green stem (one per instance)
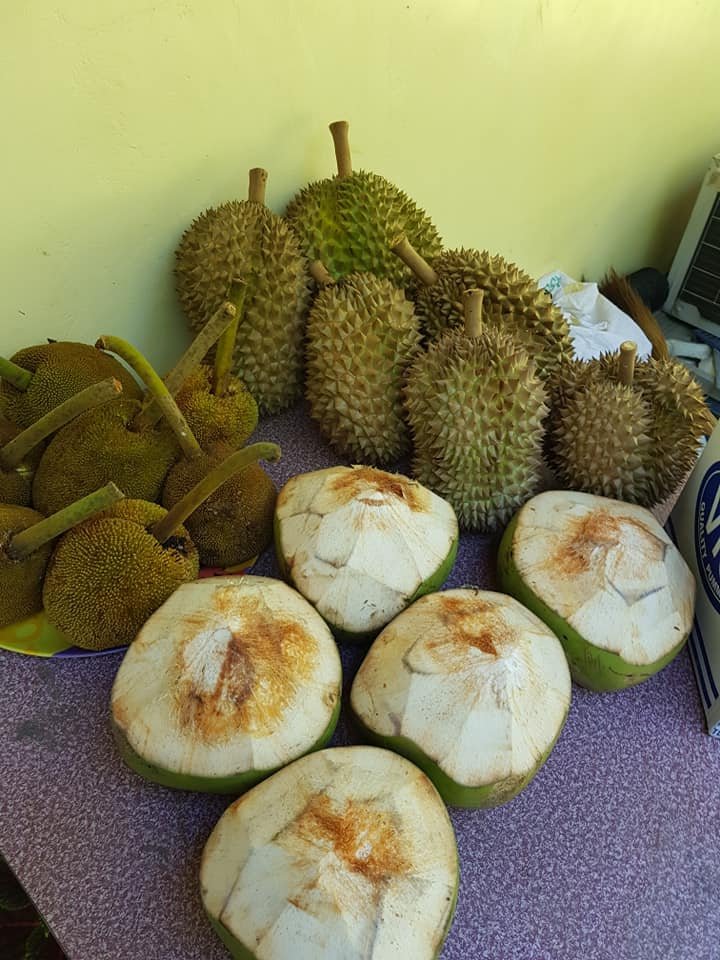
(14, 452)
(19, 377)
(472, 302)
(226, 344)
(132, 356)
(30, 540)
(343, 157)
(233, 464)
(402, 248)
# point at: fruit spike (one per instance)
(403, 249)
(19, 377)
(340, 133)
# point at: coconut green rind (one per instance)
(235, 784)
(591, 667)
(455, 794)
(433, 583)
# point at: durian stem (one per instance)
(226, 344)
(343, 157)
(17, 376)
(132, 356)
(320, 273)
(256, 186)
(628, 350)
(28, 541)
(473, 302)
(166, 527)
(18, 448)
(411, 258)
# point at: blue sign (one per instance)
(707, 534)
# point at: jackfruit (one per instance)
(227, 418)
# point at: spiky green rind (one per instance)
(245, 240)
(590, 666)
(236, 784)
(476, 409)
(16, 484)
(98, 447)
(512, 302)
(60, 370)
(361, 336)
(455, 794)
(229, 419)
(20, 580)
(351, 223)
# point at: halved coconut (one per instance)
(361, 544)
(606, 578)
(232, 678)
(471, 687)
(347, 854)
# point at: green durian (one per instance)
(246, 241)
(476, 408)
(361, 336)
(512, 300)
(349, 221)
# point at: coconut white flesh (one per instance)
(478, 682)
(347, 854)
(230, 674)
(358, 542)
(609, 570)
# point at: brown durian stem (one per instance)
(256, 186)
(18, 448)
(132, 356)
(178, 514)
(473, 302)
(28, 541)
(320, 273)
(411, 258)
(19, 377)
(343, 157)
(226, 344)
(628, 350)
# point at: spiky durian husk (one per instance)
(245, 240)
(512, 302)
(476, 409)
(362, 334)
(350, 224)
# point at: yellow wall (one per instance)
(561, 133)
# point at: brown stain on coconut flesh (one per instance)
(469, 623)
(352, 484)
(577, 554)
(264, 664)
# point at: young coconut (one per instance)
(347, 853)
(109, 575)
(513, 303)
(231, 679)
(347, 222)
(26, 545)
(471, 687)
(361, 335)
(245, 240)
(22, 450)
(361, 544)
(37, 379)
(476, 408)
(606, 578)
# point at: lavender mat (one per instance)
(612, 853)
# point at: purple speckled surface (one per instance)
(612, 853)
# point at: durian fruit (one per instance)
(232, 678)
(361, 335)
(244, 240)
(114, 442)
(37, 379)
(476, 408)
(26, 545)
(348, 222)
(626, 429)
(606, 578)
(361, 544)
(21, 454)
(471, 687)
(512, 300)
(345, 854)
(229, 500)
